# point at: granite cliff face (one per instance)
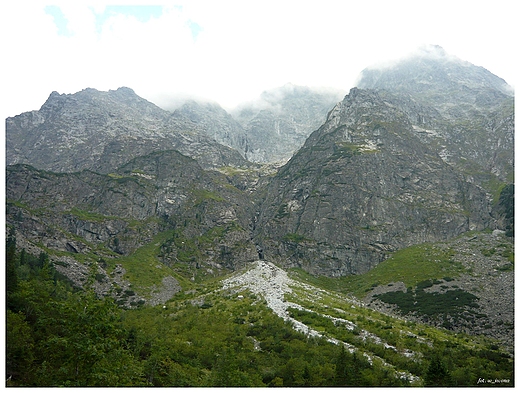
(418, 153)
(102, 130)
(465, 112)
(215, 122)
(364, 185)
(103, 216)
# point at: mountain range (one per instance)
(419, 154)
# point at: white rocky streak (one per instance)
(272, 283)
(149, 177)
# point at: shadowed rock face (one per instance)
(87, 212)
(363, 185)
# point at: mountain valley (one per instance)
(375, 229)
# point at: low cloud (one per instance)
(231, 51)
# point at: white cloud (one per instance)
(242, 47)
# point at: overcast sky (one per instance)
(231, 51)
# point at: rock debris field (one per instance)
(272, 283)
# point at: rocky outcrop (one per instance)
(98, 215)
(215, 122)
(463, 111)
(488, 274)
(102, 130)
(363, 185)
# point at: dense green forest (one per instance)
(59, 336)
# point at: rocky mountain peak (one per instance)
(128, 96)
(433, 76)
(125, 90)
(53, 103)
(362, 185)
(361, 107)
(101, 103)
(195, 111)
(54, 95)
(462, 110)
(100, 130)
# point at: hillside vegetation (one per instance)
(258, 327)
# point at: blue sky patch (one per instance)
(142, 13)
(195, 28)
(59, 20)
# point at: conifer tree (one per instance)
(11, 276)
(437, 373)
(341, 377)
